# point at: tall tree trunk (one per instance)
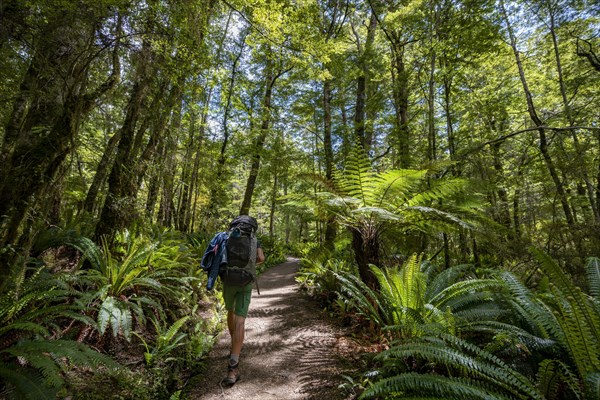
(118, 210)
(431, 131)
(154, 186)
(363, 82)
(216, 194)
(503, 212)
(47, 112)
(287, 215)
(270, 80)
(400, 95)
(168, 209)
(90, 204)
(273, 204)
(187, 187)
(328, 149)
(543, 140)
(448, 114)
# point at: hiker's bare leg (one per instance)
(236, 325)
(231, 323)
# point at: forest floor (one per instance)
(292, 349)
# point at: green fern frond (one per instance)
(411, 286)
(439, 189)
(356, 291)
(431, 385)
(444, 279)
(493, 328)
(534, 314)
(396, 186)
(173, 329)
(468, 287)
(24, 383)
(47, 355)
(469, 360)
(359, 180)
(553, 377)
(477, 310)
(578, 336)
(380, 213)
(576, 316)
(115, 314)
(441, 215)
(592, 384)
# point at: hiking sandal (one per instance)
(233, 374)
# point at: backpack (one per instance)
(240, 269)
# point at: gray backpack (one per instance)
(240, 269)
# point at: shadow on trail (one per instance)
(288, 349)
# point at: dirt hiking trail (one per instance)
(288, 350)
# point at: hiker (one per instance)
(234, 255)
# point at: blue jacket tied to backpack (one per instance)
(215, 256)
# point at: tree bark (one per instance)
(365, 244)
(400, 95)
(502, 208)
(432, 134)
(273, 204)
(90, 204)
(330, 230)
(118, 210)
(270, 80)
(42, 128)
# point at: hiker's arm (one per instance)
(260, 256)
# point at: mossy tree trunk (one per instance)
(56, 93)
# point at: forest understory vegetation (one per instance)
(435, 165)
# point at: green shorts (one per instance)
(237, 298)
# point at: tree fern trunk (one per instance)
(366, 251)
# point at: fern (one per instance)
(485, 372)
(368, 202)
(167, 340)
(117, 315)
(553, 375)
(402, 302)
(50, 358)
(592, 383)
(25, 383)
(410, 384)
(577, 318)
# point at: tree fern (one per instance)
(368, 202)
(358, 180)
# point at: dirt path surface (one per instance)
(288, 350)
